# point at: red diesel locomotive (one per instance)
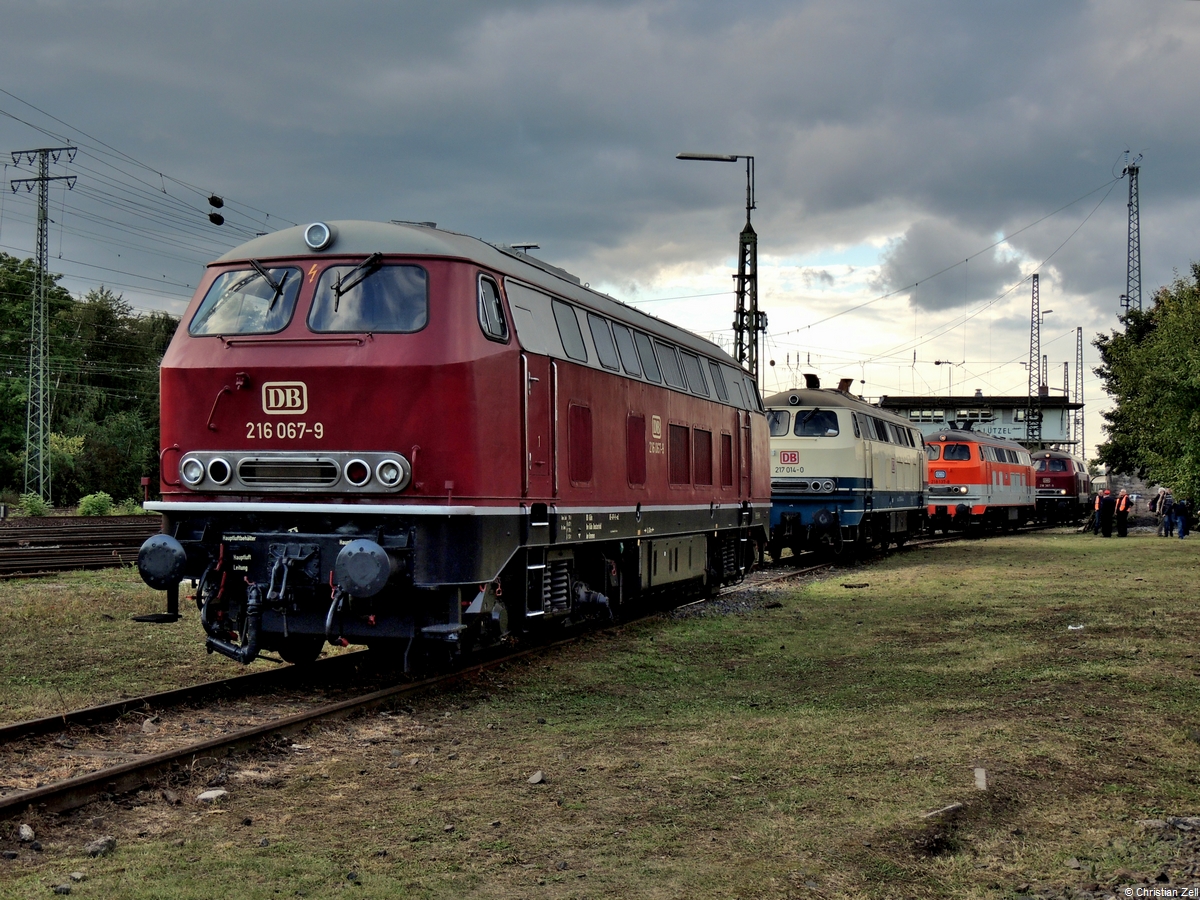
(1064, 487)
(977, 479)
(400, 436)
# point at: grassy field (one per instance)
(69, 642)
(788, 746)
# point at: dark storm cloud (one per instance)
(950, 254)
(948, 123)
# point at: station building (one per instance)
(998, 415)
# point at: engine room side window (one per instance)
(603, 339)
(817, 423)
(726, 459)
(778, 421)
(370, 298)
(669, 359)
(627, 350)
(695, 375)
(646, 354)
(880, 427)
(245, 301)
(568, 330)
(933, 451)
(957, 453)
(718, 381)
(491, 310)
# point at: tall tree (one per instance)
(104, 378)
(1152, 372)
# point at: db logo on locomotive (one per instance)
(789, 457)
(284, 398)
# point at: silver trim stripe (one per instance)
(388, 509)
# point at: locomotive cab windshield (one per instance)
(254, 301)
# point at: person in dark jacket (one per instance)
(1108, 508)
(1182, 508)
(1168, 512)
(1123, 513)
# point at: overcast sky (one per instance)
(893, 141)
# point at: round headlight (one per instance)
(318, 235)
(392, 473)
(219, 471)
(827, 487)
(192, 470)
(358, 472)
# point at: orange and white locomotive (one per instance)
(978, 480)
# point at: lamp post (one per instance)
(748, 322)
(951, 364)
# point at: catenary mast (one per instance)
(37, 419)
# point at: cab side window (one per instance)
(491, 310)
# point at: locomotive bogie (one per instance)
(406, 435)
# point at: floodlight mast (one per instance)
(748, 322)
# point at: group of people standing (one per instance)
(1171, 515)
(1109, 509)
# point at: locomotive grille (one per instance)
(288, 472)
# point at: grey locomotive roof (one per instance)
(828, 399)
(360, 238)
(1054, 454)
(964, 434)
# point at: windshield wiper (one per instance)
(811, 413)
(346, 283)
(276, 287)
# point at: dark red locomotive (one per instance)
(1063, 486)
(400, 436)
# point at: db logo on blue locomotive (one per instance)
(284, 398)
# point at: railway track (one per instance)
(138, 769)
(57, 544)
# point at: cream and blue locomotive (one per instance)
(845, 475)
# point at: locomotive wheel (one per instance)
(301, 649)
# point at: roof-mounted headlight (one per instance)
(318, 235)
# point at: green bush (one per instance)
(33, 505)
(130, 507)
(97, 504)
